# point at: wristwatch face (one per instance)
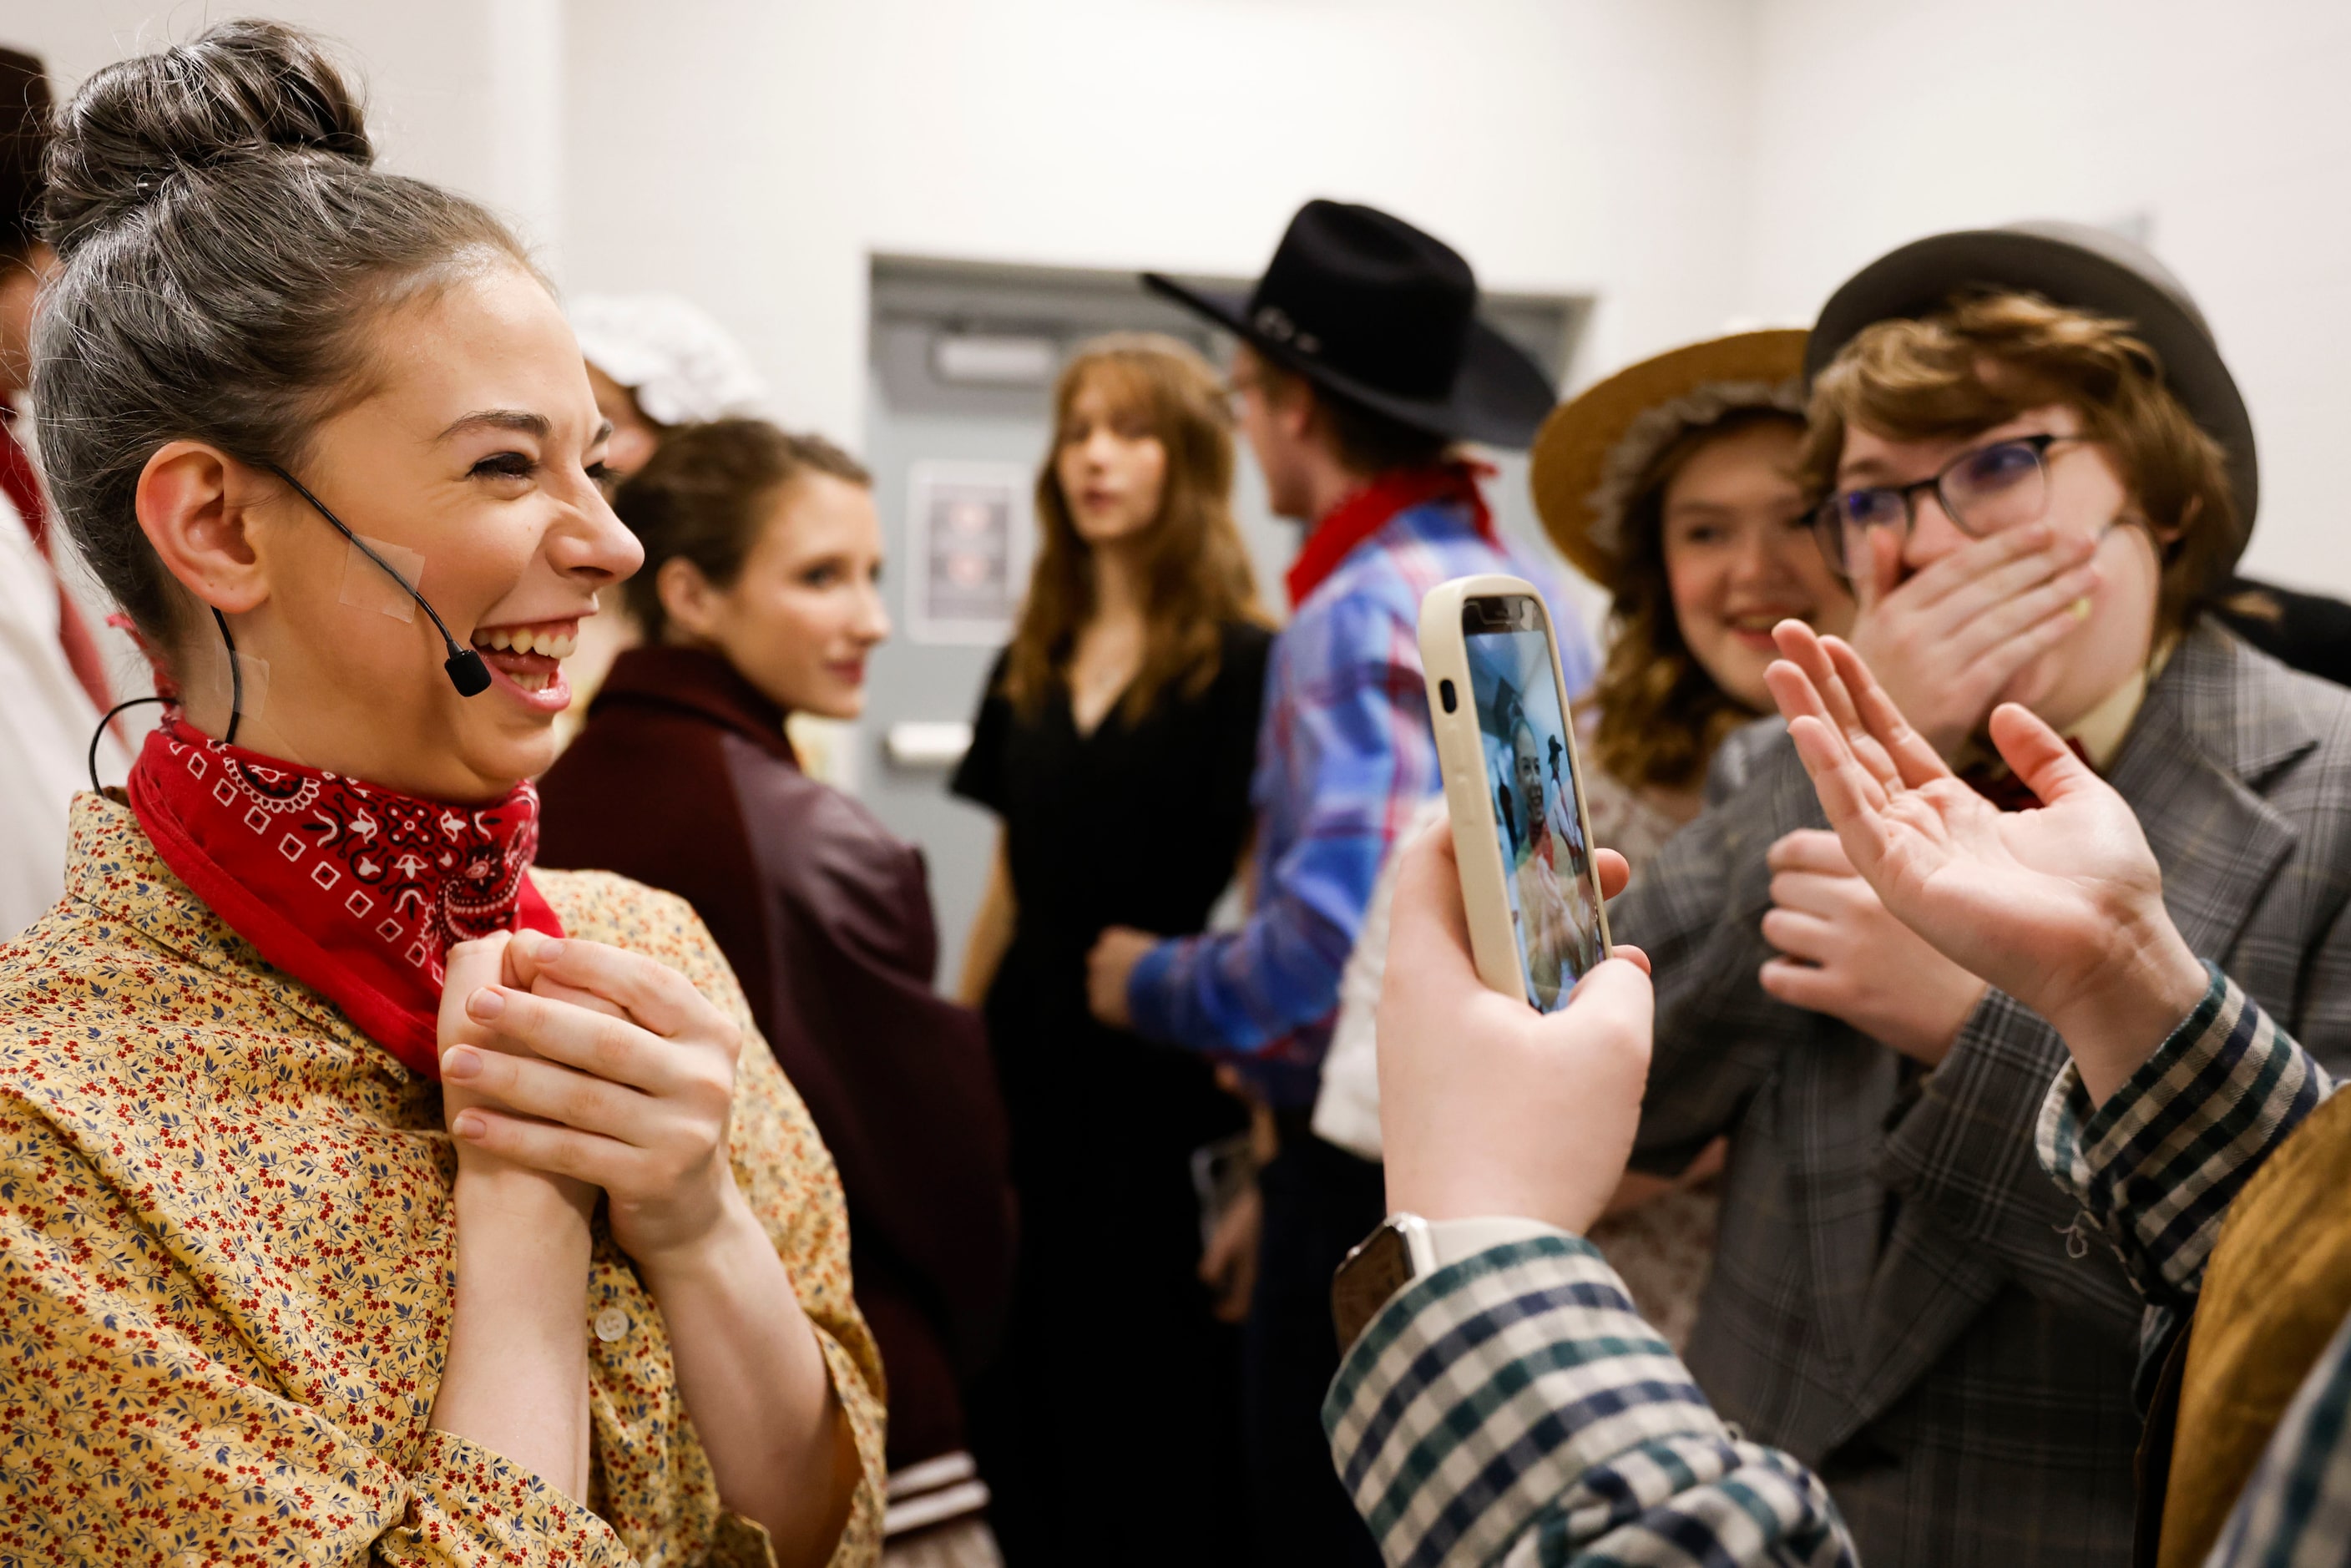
(1379, 1267)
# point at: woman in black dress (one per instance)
(1115, 739)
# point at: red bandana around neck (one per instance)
(1363, 514)
(353, 889)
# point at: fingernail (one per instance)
(486, 1003)
(468, 1125)
(463, 1061)
(545, 949)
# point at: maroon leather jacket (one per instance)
(683, 780)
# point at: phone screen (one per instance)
(1546, 868)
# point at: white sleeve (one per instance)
(46, 724)
(1347, 1108)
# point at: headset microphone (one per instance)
(466, 669)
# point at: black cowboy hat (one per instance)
(25, 108)
(2066, 264)
(1385, 316)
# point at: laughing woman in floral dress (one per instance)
(311, 1256)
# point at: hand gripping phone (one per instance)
(1512, 787)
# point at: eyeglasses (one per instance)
(2002, 485)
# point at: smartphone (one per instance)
(1513, 787)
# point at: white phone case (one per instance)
(1477, 845)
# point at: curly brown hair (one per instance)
(1987, 357)
(1659, 714)
(1195, 564)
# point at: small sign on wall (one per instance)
(968, 531)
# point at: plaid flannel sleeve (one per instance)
(2156, 1166)
(1514, 1407)
(1353, 746)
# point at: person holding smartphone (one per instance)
(1490, 1324)
(375, 1198)
(1672, 484)
(2036, 470)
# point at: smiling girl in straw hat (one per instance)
(1672, 484)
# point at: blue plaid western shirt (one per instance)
(1344, 757)
(1514, 1408)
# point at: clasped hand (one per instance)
(1843, 954)
(599, 1069)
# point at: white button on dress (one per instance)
(611, 1323)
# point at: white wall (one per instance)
(465, 92)
(2225, 127)
(752, 155)
(1689, 161)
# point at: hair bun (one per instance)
(239, 92)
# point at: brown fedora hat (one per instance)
(1593, 451)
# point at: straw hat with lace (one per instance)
(1591, 453)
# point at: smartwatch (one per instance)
(1404, 1247)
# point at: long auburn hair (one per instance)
(1659, 714)
(1194, 568)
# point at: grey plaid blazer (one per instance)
(1900, 1296)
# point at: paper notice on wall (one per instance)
(968, 531)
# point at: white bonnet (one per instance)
(681, 365)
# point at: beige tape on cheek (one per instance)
(367, 586)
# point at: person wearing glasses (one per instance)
(1483, 1320)
(2037, 474)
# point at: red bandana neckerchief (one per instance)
(1363, 514)
(352, 889)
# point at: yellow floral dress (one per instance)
(226, 1243)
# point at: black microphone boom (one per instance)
(464, 666)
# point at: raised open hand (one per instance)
(2062, 907)
(1841, 951)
